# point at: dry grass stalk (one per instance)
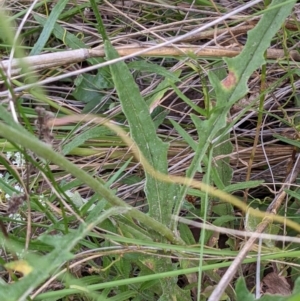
(51, 60)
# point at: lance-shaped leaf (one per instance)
(160, 195)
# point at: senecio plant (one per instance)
(153, 248)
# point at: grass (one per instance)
(124, 127)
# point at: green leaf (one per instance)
(131, 179)
(7, 186)
(240, 68)
(234, 86)
(127, 295)
(88, 89)
(287, 140)
(177, 293)
(242, 186)
(82, 137)
(188, 101)
(200, 2)
(118, 173)
(296, 289)
(223, 169)
(242, 292)
(186, 234)
(252, 57)
(70, 40)
(97, 209)
(185, 135)
(222, 219)
(153, 68)
(160, 195)
(160, 90)
(196, 162)
(134, 232)
(222, 166)
(12, 131)
(44, 265)
(159, 114)
(9, 168)
(48, 27)
(292, 193)
(91, 82)
(252, 222)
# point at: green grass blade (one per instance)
(82, 137)
(43, 266)
(48, 27)
(59, 32)
(140, 279)
(244, 185)
(149, 67)
(20, 136)
(159, 91)
(118, 173)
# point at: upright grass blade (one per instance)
(70, 40)
(82, 137)
(49, 25)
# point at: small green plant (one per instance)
(140, 253)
